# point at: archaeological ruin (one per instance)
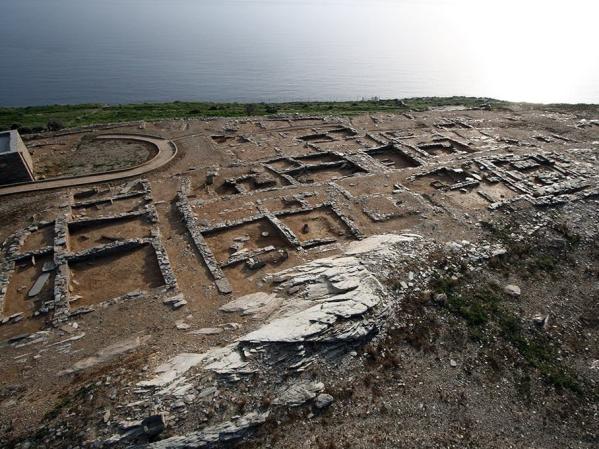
(227, 269)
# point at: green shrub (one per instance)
(251, 109)
(54, 125)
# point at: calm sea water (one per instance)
(116, 51)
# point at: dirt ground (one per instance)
(78, 155)
(433, 377)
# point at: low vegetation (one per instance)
(53, 118)
(488, 319)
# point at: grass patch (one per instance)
(39, 118)
(477, 309)
(533, 256)
(488, 318)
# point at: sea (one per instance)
(131, 51)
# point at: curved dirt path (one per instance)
(166, 152)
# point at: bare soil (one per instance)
(111, 276)
(88, 156)
(84, 236)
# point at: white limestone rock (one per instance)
(171, 370)
(378, 242)
(298, 394)
(207, 331)
(259, 303)
(512, 290)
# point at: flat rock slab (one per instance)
(299, 394)
(223, 286)
(376, 242)
(169, 371)
(182, 325)
(250, 304)
(207, 331)
(176, 301)
(39, 285)
(107, 354)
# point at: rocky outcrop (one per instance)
(213, 436)
(314, 309)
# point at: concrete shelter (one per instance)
(16, 164)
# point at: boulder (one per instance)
(323, 401)
(299, 393)
(153, 426)
(512, 290)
